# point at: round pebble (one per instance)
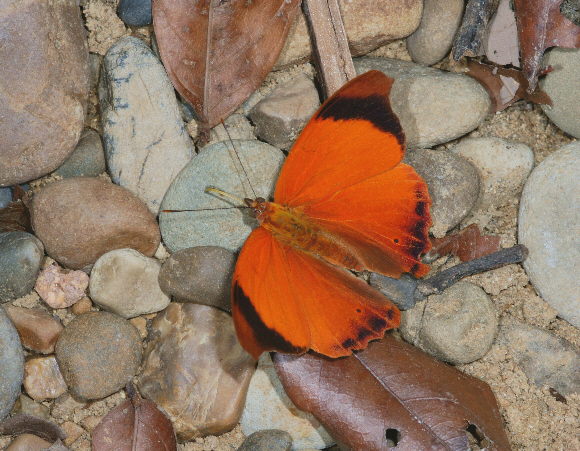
(45, 86)
(146, 143)
(216, 221)
(439, 24)
(11, 364)
(124, 282)
(196, 370)
(135, 13)
(268, 407)
(433, 106)
(81, 218)
(88, 157)
(98, 353)
(549, 225)
(456, 326)
(267, 440)
(200, 274)
(503, 167)
(20, 258)
(453, 186)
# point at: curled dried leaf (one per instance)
(468, 244)
(24, 423)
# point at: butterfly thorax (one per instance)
(295, 229)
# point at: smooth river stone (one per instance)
(81, 218)
(45, 85)
(88, 158)
(11, 364)
(196, 370)
(433, 106)
(549, 225)
(145, 139)
(20, 257)
(216, 221)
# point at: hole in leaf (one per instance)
(477, 439)
(393, 437)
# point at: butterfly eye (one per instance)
(261, 200)
(253, 213)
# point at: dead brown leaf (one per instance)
(16, 215)
(23, 423)
(468, 244)
(393, 395)
(217, 52)
(505, 86)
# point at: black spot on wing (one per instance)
(374, 108)
(390, 314)
(268, 338)
(348, 343)
(377, 323)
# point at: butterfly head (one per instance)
(257, 206)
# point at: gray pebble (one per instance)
(238, 127)
(215, 221)
(20, 257)
(453, 186)
(456, 326)
(11, 364)
(145, 139)
(98, 353)
(433, 106)
(267, 440)
(124, 282)
(281, 116)
(88, 158)
(200, 274)
(439, 24)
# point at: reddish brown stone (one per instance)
(28, 442)
(38, 329)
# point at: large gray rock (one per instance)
(11, 364)
(20, 257)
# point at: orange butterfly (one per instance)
(343, 200)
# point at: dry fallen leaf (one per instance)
(217, 52)
(501, 43)
(16, 215)
(504, 85)
(23, 423)
(468, 244)
(393, 396)
(134, 425)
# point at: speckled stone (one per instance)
(88, 157)
(11, 364)
(200, 274)
(216, 166)
(81, 218)
(267, 440)
(98, 353)
(20, 257)
(38, 329)
(433, 106)
(42, 378)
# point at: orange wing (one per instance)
(344, 172)
(286, 300)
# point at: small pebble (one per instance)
(453, 186)
(140, 324)
(88, 157)
(267, 440)
(135, 13)
(20, 258)
(11, 364)
(26, 405)
(38, 329)
(42, 378)
(433, 106)
(281, 116)
(456, 326)
(28, 442)
(200, 274)
(61, 289)
(268, 407)
(503, 167)
(432, 41)
(125, 282)
(238, 127)
(98, 353)
(73, 432)
(196, 370)
(83, 306)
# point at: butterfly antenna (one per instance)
(239, 161)
(219, 192)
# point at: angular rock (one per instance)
(45, 84)
(124, 282)
(26, 405)
(368, 24)
(200, 274)
(268, 407)
(20, 257)
(145, 139)
(210, 224)
(456, 326)
(11, 364)
(196, 370)
(432, 41)
(433, 106)
(453, 186)
(98, 353)
(267, 440)
(61, 289)
(503, 167)
(42, 378)
(87, 158)
(280, 117)
(549, 225)
(81, 218)
(38, 329)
